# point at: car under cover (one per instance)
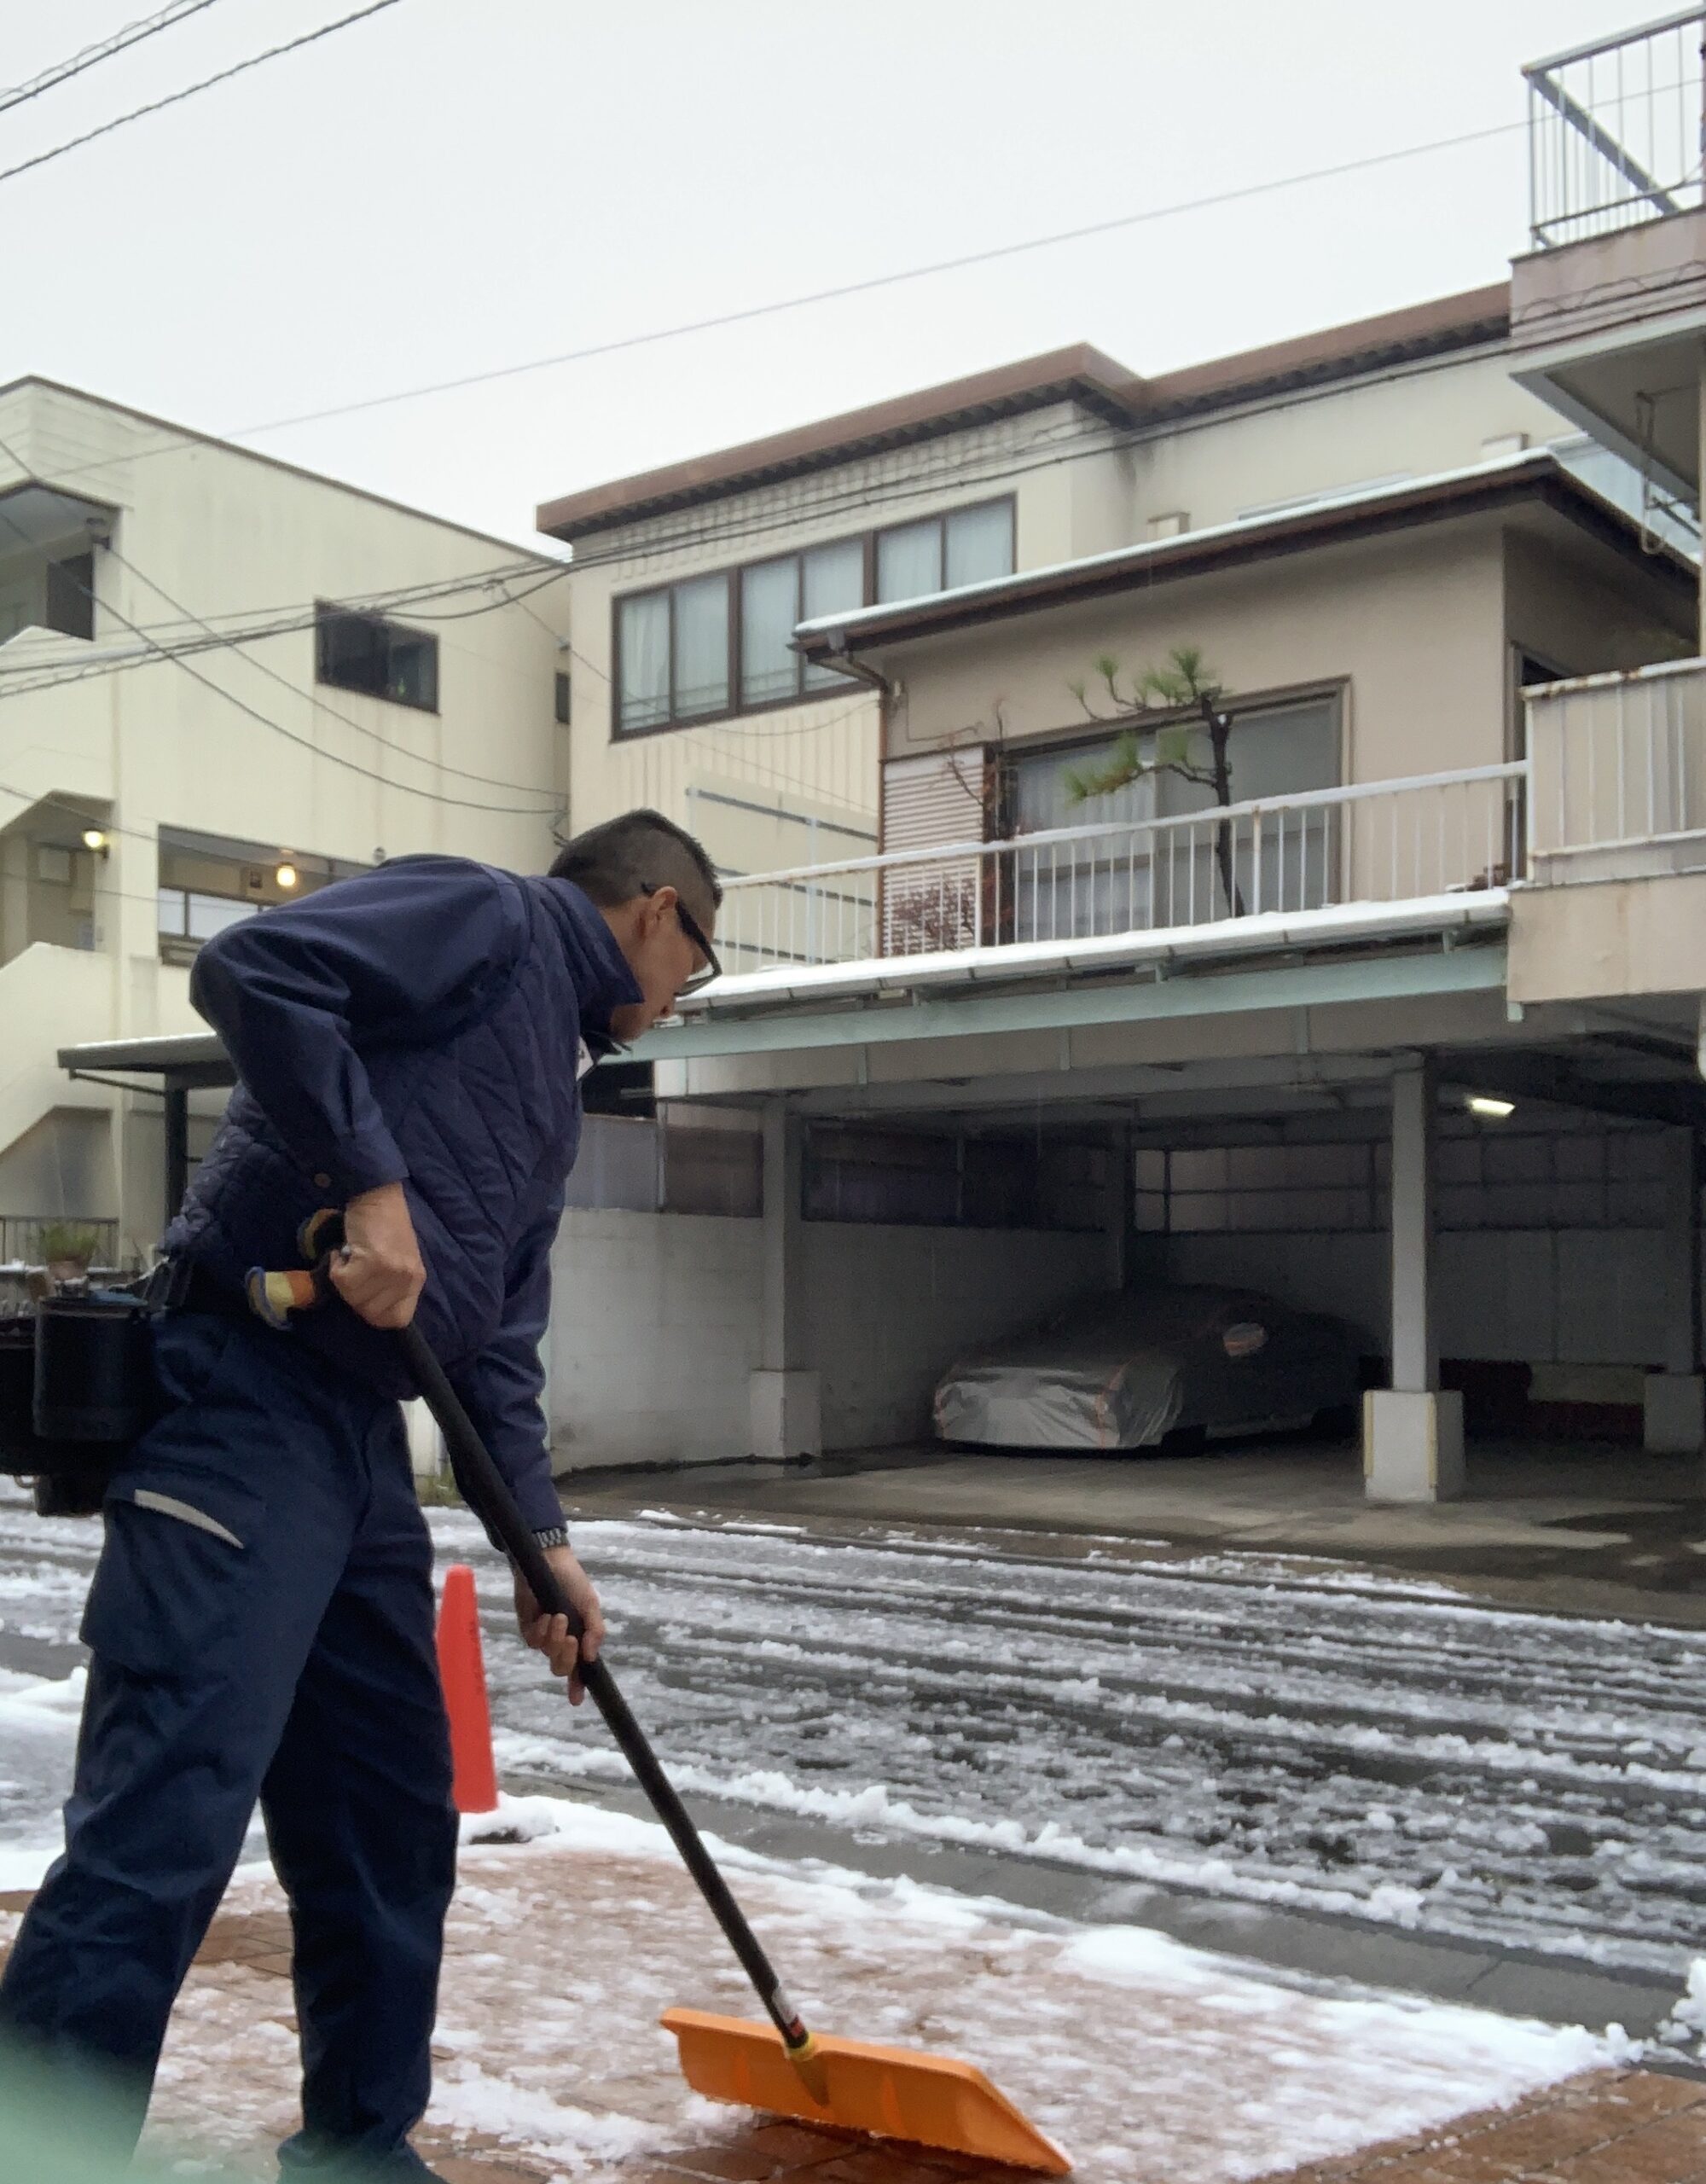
(1122, 1372)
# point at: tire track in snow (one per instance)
(1504, 1778)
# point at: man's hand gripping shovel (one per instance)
(888, 2092)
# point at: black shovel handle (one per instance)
(273, 1297)
(489, 1496)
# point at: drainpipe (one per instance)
(843, 661)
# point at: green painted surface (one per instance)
(1477, 968)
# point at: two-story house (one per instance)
(223, 680)
(1067, 1034)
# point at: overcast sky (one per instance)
(452, 186)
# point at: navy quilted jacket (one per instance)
(420, 1024)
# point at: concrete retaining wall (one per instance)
(656, 1326)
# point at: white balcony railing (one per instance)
(1617, 773)
(1615, 130)
(1376, 842)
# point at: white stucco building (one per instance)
(221, 678)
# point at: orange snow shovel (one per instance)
(849, 2084)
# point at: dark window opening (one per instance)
(70, 595)
(562, 699)
(381, 659)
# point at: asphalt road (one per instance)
(1235, 1728)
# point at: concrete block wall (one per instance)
(656, 1326)
(1535, 1296)
(894, 1307)
(654, 1329)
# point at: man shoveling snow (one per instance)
(408, 1044)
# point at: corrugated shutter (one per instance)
(939, 798)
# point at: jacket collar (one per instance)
(602, 980)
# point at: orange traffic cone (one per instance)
(462, 1670)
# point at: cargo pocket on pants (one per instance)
(166, 1588)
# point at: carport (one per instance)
(1354, 1119)
(168, 1068)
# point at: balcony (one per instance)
(1608, 308)
(1615, 131)
(1374, 858)
(1618, 780)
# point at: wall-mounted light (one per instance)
(94, 839)
(286, 876)
(1495, 1111)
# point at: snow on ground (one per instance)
(1245, 1727)
(1143, 2058)
(1252, 1728)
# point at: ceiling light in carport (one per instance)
(1495, 1111)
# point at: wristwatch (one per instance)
(553, 1535)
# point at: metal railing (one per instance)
(1374, 842)
(21, 1237)
(1615, 762)
(1615, 130)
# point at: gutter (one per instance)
(1182, 947)
(1533, 475)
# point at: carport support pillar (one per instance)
(177, 1133)
(785, 1392)
(1412, 1432)
(1117, 1216)
(1673, 1400)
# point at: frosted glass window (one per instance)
(769, 597)
(211, 914)
(701, 641)
(909, 561)
(831, 582)
(979, 543)
(643, 643)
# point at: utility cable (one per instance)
(411, 599)
(189, 91)
(321, 705)
(89, 56)
(265, 720)
(996, 254)
(32, 676)
(1241, 194)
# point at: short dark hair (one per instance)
(633, 854)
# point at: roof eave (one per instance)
(1536, 478)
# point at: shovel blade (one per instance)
(892, 2093)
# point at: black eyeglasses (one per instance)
(695, 932)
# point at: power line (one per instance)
(265, 720)
(995, 253)
(1241, 194)
(310, 697)
(189, 91)
(89, 56)
(32, 675)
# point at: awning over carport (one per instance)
(192, 1061)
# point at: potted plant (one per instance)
(67, 1247)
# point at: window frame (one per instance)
(735, 572)
(326, 610)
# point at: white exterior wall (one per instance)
(656, 1326)
(234, 537)
(654, 1331)
(1405, 422)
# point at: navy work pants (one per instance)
(260, 1625)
